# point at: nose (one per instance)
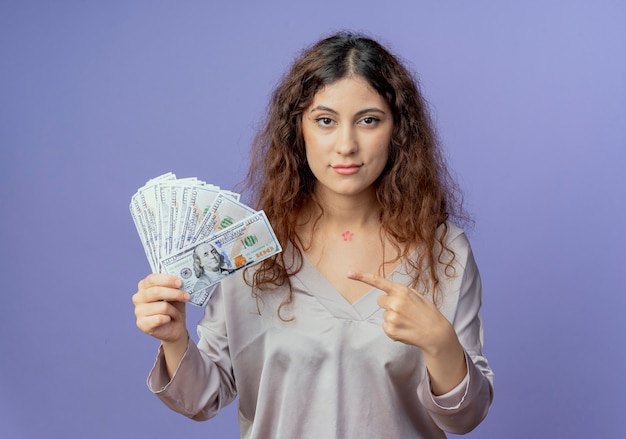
(347, 142)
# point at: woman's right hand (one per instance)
(160, 308)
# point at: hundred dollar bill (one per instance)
(210, 260)
(144, 210)
(224, 212)
(168, 212)
(173, 199)
(182, 205)
(182, 191)
(201, 201)
(136, 214)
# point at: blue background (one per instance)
(98, 97)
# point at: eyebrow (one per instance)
(358, 113)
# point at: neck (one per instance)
(349, 212)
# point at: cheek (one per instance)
(316, 142)
(385, 145)
(381, 153)
(314, 155)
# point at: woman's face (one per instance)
(347, 130)
(208, 259)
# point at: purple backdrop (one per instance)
(95, 99)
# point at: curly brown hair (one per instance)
(416, 192)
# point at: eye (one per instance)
(324, 122)
(369, 121)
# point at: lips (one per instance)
(347, 169)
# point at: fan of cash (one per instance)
(199, 232)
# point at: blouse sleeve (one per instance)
(203, 383)
(464, 407)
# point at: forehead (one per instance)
(347, 90)
(203, 248)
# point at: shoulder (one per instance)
(452, 232)
(460, 281)
(455, 240)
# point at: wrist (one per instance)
(446, 365)
(443, 342)
(173, 353)
(177, 344)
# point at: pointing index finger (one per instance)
(373, 280)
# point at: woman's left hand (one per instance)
(411, 318)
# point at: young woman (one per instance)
(367, 324)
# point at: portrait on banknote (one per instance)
(208, 266)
